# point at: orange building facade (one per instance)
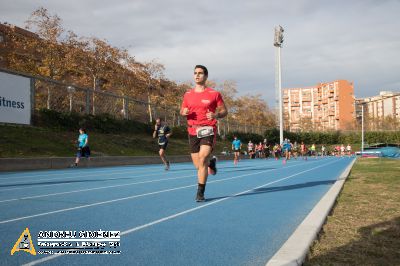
(324, 107)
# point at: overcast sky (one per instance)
(324, 40)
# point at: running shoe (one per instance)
(167, 166)
(200, 196)
(212, 166)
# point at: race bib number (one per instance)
(203, 132)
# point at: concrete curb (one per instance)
(295, 249)
(19, 164)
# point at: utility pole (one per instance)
(278, 40)
(362, 129)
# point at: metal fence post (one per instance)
(165, 114)
(87, 102)
(126, 112)
(33, 82)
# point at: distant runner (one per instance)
(162, 132)
(83, 147)
(236, 146)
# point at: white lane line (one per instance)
(68, 182)
(67, 171)
(216, 201)
(89, 189)
(52, 172)
(35, 262)
(82, 171)
(79, 176)
(131, 197)
(94, 173)
(96, 188)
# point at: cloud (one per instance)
(324, 40)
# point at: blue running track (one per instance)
(251, 210)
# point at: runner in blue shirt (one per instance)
(83, 147)
(287, 147)
(236, 146)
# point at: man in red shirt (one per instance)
(202, 106)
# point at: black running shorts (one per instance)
(164, 146)
(83, 152)
(195, 142)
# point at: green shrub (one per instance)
(245, 137)
(103, 123)
(179, 132)
(334, 137)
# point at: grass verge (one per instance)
(364, 227)
(22, 141)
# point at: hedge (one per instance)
(103, 123)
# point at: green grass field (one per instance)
(364, 228)
(21, 141)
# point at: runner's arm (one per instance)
(86, 142)
(184, 107)
(220, 112)
(169, 133)
(155, 132)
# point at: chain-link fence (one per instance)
(60, 97)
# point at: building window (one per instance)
(1, 37)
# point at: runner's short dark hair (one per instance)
(202, 67)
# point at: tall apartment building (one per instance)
(386, 104)
(326, 106)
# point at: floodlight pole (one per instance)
(278, 44)
(362, 129)
(280, 96)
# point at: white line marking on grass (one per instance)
(184, 212)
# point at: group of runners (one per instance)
(286, 150)
(202, 106)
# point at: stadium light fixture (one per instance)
(278, 40)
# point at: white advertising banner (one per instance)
(15, 99)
